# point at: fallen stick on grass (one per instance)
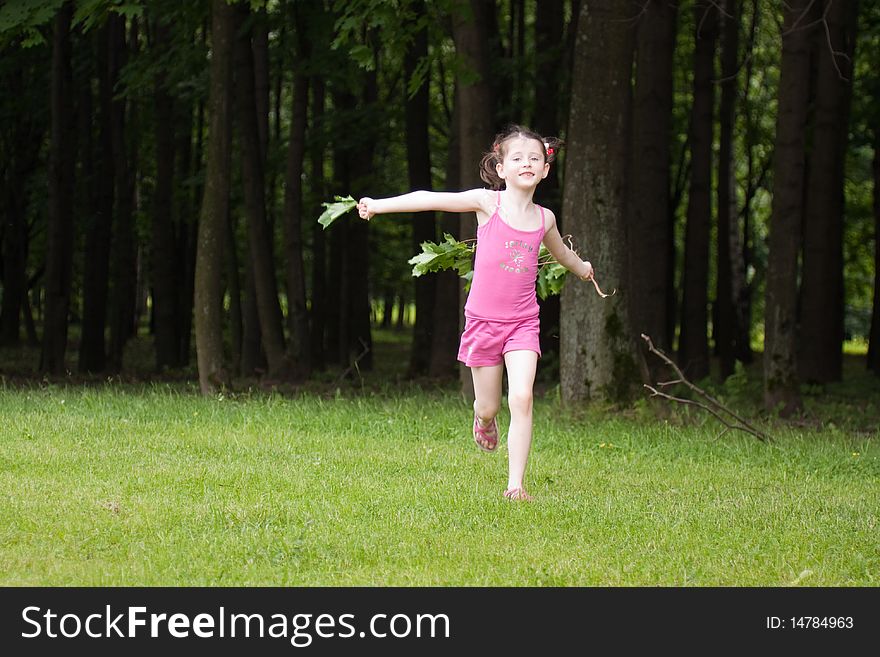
(713, 406)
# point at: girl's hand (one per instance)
(365, 209)
(588, 271)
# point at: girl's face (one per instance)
(523, 164)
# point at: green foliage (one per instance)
(551, 276)
(335, 210)
(23, 19)
(448, 254)
(453, 254)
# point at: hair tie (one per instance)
(495, 147)
(549, 150)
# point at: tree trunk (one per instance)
(650, 165)
(549, 49)
(96, 266)
(744, 301)
(418, 162)
(694, 345)
(123, 262)
(475, 116)
(820, 353)
(215, 205)
(387, 309)
(184, 233)
(14, 236)
(244, 353)
(357, 265)
(598, 351)
(728, 323)
(260, 239)
(780, 347)
(317, 316)
(444, 343)
(192, 241)
(873, 360)
(260, 50)
(164, 257)
(59, 256)
(297, 311)
(252, 357)
(21, 164)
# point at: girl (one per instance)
(501, 313)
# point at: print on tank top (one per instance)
(517, 250)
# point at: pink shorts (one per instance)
(485, 342)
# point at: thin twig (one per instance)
(601, 293)
(691, 402)
(741, 425)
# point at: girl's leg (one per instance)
(487, 392)
(521, 366)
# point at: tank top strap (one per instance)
(543, 225)
(498, 200)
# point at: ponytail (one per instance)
(488, 170)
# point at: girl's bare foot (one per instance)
(518, 494)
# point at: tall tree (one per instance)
(597, 347)
(164, 256)
(444, 343)
(650, 170)
(59, 256)
(476, 105)
(728, 323)
(259, 236)
(693, 351)
(92, 351)
(874, 338)
(820, 352)
(26, 126)
(317, 314)
(418, 164)
(755, 175)
(780, 346)
(299, 347)
(195, 197)
(215, 204)
(124, 260)
(548, 89)
(357, 260)
(242, 344)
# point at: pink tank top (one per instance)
(505, 271)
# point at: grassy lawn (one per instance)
(151, 484)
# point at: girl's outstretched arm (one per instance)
(472, 200)
(564, 255)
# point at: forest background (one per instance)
(164, 163)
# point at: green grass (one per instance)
(151, 484)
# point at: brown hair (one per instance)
(488, 172)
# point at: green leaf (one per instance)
(449, 254)
(551, 278)
(335, 210)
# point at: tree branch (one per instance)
(713, 406)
